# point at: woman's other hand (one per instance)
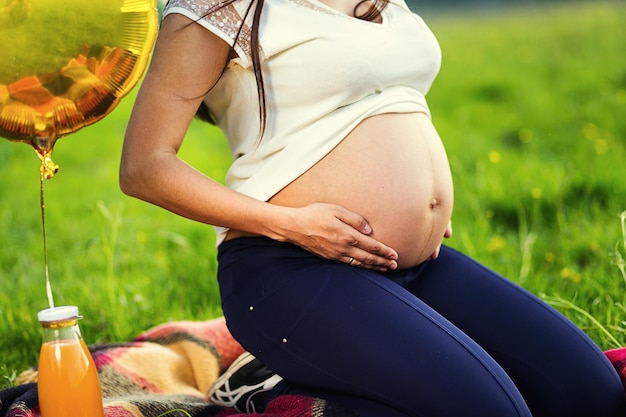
(446, 235)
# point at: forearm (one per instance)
(163, 179)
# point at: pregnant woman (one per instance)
(330, 226)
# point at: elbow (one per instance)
(129, 179)
(141, 173)
(125, 183)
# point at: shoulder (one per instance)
(231, 20)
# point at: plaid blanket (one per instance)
(166, 371)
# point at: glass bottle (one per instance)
(68, 384)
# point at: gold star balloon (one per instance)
(66, 64)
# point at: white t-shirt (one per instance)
(324, 72)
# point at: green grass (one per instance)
(530, 103)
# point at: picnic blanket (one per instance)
(166, 371)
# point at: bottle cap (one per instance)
(58, 313)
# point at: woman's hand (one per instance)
(334, 232)
(446, 235)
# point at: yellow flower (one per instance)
(590, 131)
(494, 157)
(496, 243)
(536, 193)
(601, 146)
(570, 274)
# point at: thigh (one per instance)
(331, 327)
(558, 369)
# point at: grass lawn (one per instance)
(530, 103)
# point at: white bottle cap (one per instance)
(58, 313)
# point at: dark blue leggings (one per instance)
(446, 338)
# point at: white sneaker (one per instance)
(244, 385)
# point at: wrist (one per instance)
(280, 224)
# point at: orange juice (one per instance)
(68, 382)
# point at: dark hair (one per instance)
(203, 113)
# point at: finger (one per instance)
(354, 220)
(380, 268)
(368, 260)
(378, 249)
(435, 254)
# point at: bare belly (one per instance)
(393, 170)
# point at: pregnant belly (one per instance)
(393, 170)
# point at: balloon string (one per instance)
(43, 228)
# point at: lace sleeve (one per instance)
(224, 19)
